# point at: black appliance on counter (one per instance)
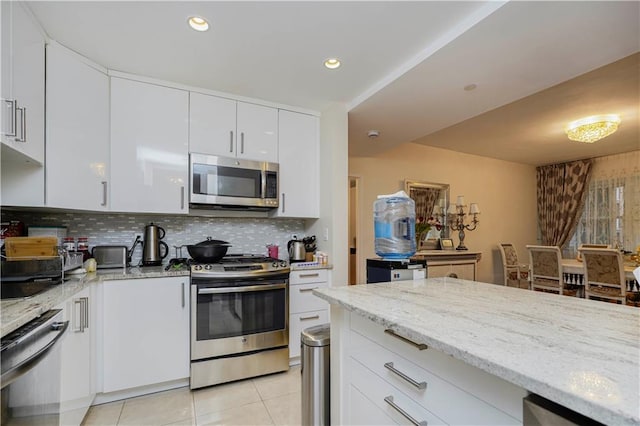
(239, 319)
(27, 277)
(381, 270)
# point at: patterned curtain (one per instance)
(425, 199)
(561, 192)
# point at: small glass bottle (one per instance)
(83, 247)
(69, 244)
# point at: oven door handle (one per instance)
(242, 289)
(26, 365)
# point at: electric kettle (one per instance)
(153, 250)
(296, 251)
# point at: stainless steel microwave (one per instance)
(224, 182)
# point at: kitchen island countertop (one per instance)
(14, 313)
(582, 354)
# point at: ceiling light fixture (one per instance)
(593, 128)
(198, 23)
(372, 134)
(332, 63)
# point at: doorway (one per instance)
(354, 185)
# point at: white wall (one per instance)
(334, 184)
(505, 192)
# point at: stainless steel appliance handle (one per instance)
(420, 385)
(182, 197)
(243, 289)
(310, 318)
(23, 124)
(13, 120)
(305, 290)
(231, 141)
(420, 346)
(104, 193)
(389, 400)
(25, 366)
(283, 204)
(183, 295)
(241, 142)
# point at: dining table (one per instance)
(573, 270)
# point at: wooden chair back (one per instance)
(604, 274)
(546, 272)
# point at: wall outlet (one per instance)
(325, 234)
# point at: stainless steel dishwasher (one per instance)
(30, 368)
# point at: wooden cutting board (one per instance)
(20, 247)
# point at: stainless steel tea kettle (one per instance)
(152, 252)
(296, 251)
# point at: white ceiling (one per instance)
(404, 63)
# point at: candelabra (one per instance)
(456, 216)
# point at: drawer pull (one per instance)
(420, 346)
(389, 400)
(304, 290)
(309, 275)
(310, 318)
(420, 385)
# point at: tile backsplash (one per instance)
(246, 235)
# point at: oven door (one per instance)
(238, 316)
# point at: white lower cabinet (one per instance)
(78, 384)
(414, 384)
(145, 332)
(305, 309)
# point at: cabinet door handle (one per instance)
(309, 275)
(310, 318)
(23, 124)
(305, 290)
(420, 385)
(13, 117)
(389, 400)
(231, 141)
(241, 142)
(104, 193)
(86, 312)
(420, 346)
(182, 198)
(283, 205)
(79, 320)
(183, 295)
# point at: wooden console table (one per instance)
(450, 263)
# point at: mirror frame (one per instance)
(408, 184)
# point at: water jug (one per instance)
(394, 219)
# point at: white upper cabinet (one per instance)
(149, 147)
(22, 82)
(229, 128)
(77, 132)
(299, 158)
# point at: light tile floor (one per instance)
(267, 400)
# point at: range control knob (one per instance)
(207, 267)
(283, 264)
(274, 264)
(197, 267)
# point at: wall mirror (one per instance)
(427, 196)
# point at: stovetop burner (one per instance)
(234, 265)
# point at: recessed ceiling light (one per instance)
(198, 23)
(332, 63)
(373, 134)
(470, 87)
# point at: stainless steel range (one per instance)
(239, 319)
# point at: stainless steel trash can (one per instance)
(314, 342)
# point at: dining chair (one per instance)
(514, 272)
(546, 271)
(579, 257)
(604, 274)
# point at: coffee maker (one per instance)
(153, 250)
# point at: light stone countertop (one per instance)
(582, 354)
(14, 313)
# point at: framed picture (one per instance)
(446, 244)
